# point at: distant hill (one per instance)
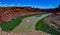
(53, 10)
(7, 13)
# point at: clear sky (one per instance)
(32, 3)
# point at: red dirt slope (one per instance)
(7, 13)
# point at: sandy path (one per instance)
(28, 24)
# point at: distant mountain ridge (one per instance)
(53, 10)
(7, 13)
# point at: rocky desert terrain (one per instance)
(7, 13)
(53, 20)
(34, 32)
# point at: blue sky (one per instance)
(32, 3)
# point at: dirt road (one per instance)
(28, 23)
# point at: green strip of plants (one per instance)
(10, 25)
(40, 25)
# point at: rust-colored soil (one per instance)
(7, 13)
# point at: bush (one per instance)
(46, 28)
(8, 26)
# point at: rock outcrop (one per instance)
(53, 21)
(7, 13)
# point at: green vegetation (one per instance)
(9, 26)
(46, 28)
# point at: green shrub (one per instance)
(40, 25)
(8, 26)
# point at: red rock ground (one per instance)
(7, 13)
